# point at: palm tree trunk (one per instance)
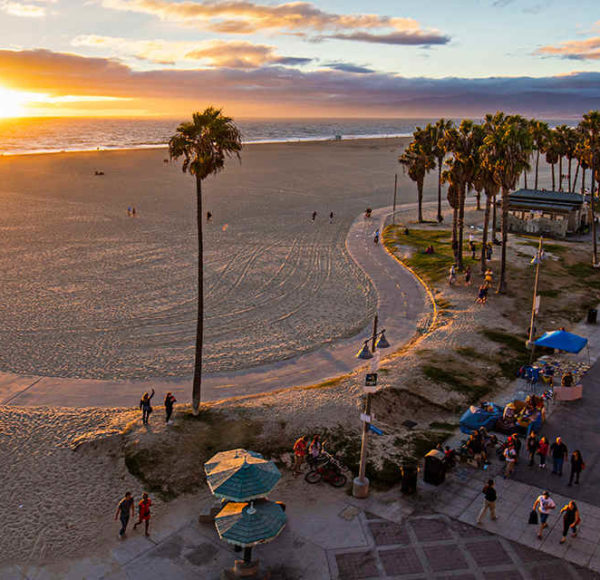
(525, 179)
(461, 226)
(576, 176)
(486, 219)
(439, 213)
(569, 173)
(594, 233)
(502, 283)
(478, 198)
(494, 218)
(583, 181)
(197, 385)
(553, 178)
(537, 164)
(420, 199)
(455, 232)
(560, 173)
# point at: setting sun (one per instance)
(12, 103)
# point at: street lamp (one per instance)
(360, 485)
(535, 306)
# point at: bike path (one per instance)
(402, 302)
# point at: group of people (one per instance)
(146, 407)
(131, 211)
(126, 509)
(306, 450)
(314, 216)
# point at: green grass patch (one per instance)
(549, 293)
(456, 381)
(469, 352)
(580, 270)
(513, 342)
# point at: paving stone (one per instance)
(555, 570)
(525, 553)
(488, 553)
(445, 558)
(400, 562)
(467, 531)
(503, 575)
(456, 577)
(431, 529)
(356, 565)
(389, 533)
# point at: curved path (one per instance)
(401, 303)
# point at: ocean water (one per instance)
(45, 135)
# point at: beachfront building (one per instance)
(552, 214)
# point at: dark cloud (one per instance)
(398, 38)
(348, 67)
(307, 91)
(293, 60)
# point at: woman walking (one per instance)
(542, 451)
(144, 513)
(571, 520)
(577, 465)
(170, 400)
(146, 407)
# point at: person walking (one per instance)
(330, 217)
(124, 510)
(544, 505)
(473, 249)
(376, 236)
(542, 451)
(144, 513)
(208, 217)
(300, 450)
(571, 519)
(170, 400)
(577, 466)
(468, 276)
(452, 275)
(146, 406)
(559, 454)
(532, 446)
(510, 459)
(489, 501)
(314, 216)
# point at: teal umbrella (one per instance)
(246, 524)
(240, 475)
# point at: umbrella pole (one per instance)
(248, 555)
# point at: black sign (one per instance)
(371, 380)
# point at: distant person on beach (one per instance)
(473, 249)
(208, 217)
(314, 216)
(144, 513)
(124, 510)
(330, 217)
(170, 400)
(146, 407)
(129, 211)
(376, 236)
(133, 211)
(468, 276)
(452, 275)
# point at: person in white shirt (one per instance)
(544, 505)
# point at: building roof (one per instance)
(545, 200)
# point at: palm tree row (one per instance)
(491, 157)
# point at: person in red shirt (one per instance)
(300, 450)
(144, 513)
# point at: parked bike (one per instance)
(327, 468)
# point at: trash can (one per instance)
(592, 316)
(435, 470)
(409, 473)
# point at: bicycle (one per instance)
(327, 468)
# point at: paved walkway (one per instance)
(401, 303)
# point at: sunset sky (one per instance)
(323, 58)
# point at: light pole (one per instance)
(395, 192)
(537, 260)
(594, 233)
(360, 485)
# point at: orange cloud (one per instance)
(588, 49)
(215, 53)
(301, 18)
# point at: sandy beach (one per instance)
(89, 292)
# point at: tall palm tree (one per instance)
(571, 141)
(437, 137)
(552, 151)
(562, 144)
(539, 133)
(590, 128)
(417, 160)
(204, 143)
(505, 152)
(484, 180)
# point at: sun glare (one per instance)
(12, 103)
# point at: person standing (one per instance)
(144, 513)
(208, 217)
(532, 446)
(577, 465)
(544, 505)
(330, 217)
(452, 275)
(146, 406)
(489, 501)
(300, 450)
(542, 451)
(473, 249)
(376, 236)
(314, 450)
(468, 276)
(559, 454)
(510, 458)
(314, 216)
(170, 400)
(124, 510)
(571, 519)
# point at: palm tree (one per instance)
(204, 143)
(571, 141)
(552, 151)
(437, 137)
(590, 128)
(505, 151)
(539, 133)
(417, 160)
(484, 180)
(562, 144)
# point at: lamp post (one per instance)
(395, 192)
(537, 260)
(360, 485)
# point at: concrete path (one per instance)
(402, 302)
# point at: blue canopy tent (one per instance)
(562, 340)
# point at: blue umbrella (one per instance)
(240, 475)
(562, 340)
(246, 524)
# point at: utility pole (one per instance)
(594, 232)
(538, 261)
(395, 192)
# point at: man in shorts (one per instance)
(124, 510)
(544, 505)
(300, 450)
